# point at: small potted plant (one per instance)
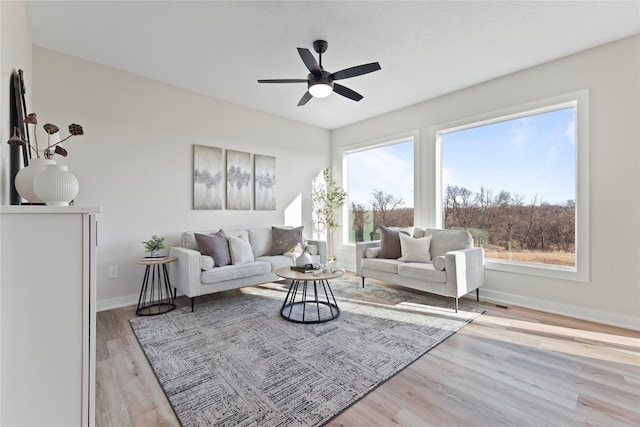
(154, 246)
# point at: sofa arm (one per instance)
(185, 272)
(465, 269)
(361, 248)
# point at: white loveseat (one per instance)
(453, 267)
(195, 274)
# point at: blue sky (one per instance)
(526, 156)
(530, 156)
(388, 169)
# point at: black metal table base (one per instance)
(155, 298)
(306, 310)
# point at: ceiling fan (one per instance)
(320, 83)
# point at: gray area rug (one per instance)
(236, 362)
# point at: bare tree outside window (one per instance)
(380, 188)
(511, 184)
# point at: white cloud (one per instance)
(383, 170)
(570, 132)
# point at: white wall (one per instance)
(611, 73)
(136, 158)
(15, 53)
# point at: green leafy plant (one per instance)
(327, 197)
(155, 244)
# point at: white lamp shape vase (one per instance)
(304, 259)
(56, 186)
(26, 176)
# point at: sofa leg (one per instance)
(192, 299)
(478, 294)
(363, 282)
(456, 305)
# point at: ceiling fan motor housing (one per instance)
(323, 79)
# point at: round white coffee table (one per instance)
(321, 307)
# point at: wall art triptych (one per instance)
(214, 178)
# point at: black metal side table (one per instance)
(155, 298)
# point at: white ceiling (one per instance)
(425, 48)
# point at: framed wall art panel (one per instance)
(265, 182)
(239, 179)
(208, 190)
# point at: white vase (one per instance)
(56, 186)
(304, 259)
(25, 177)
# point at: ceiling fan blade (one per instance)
(305, 98)
(346, 92)
(309, 61)
(355, 71)
(283, 81)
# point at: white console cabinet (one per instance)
(47, 315)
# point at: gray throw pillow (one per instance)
(216, 246)
(285, 239)
(390, 243)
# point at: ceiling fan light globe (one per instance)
(320, 90)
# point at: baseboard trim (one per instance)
(598, 316)
(119, 302)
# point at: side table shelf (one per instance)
(155, 297)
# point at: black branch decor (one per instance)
(51, 130)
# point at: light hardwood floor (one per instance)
(509, 367)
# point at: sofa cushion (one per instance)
(239, 232)
(188, 238)
(390, 243)
(261, 241)
(414, 250)
(286, 239)
(216, 246)
(421, 271)
(443, 241)
(381, 264)
(277, 261)
(240, 250)
(231, 272)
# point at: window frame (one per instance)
(578, 99)
(373, 144)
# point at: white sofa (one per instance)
(455, 267)
(194, 274)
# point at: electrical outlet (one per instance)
(113, 272)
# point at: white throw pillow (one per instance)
(414, 250)
(240, 249)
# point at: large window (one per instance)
(512, 181)
(380, 187)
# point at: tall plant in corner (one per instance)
(327, 196)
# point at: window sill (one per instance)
(540, 270)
